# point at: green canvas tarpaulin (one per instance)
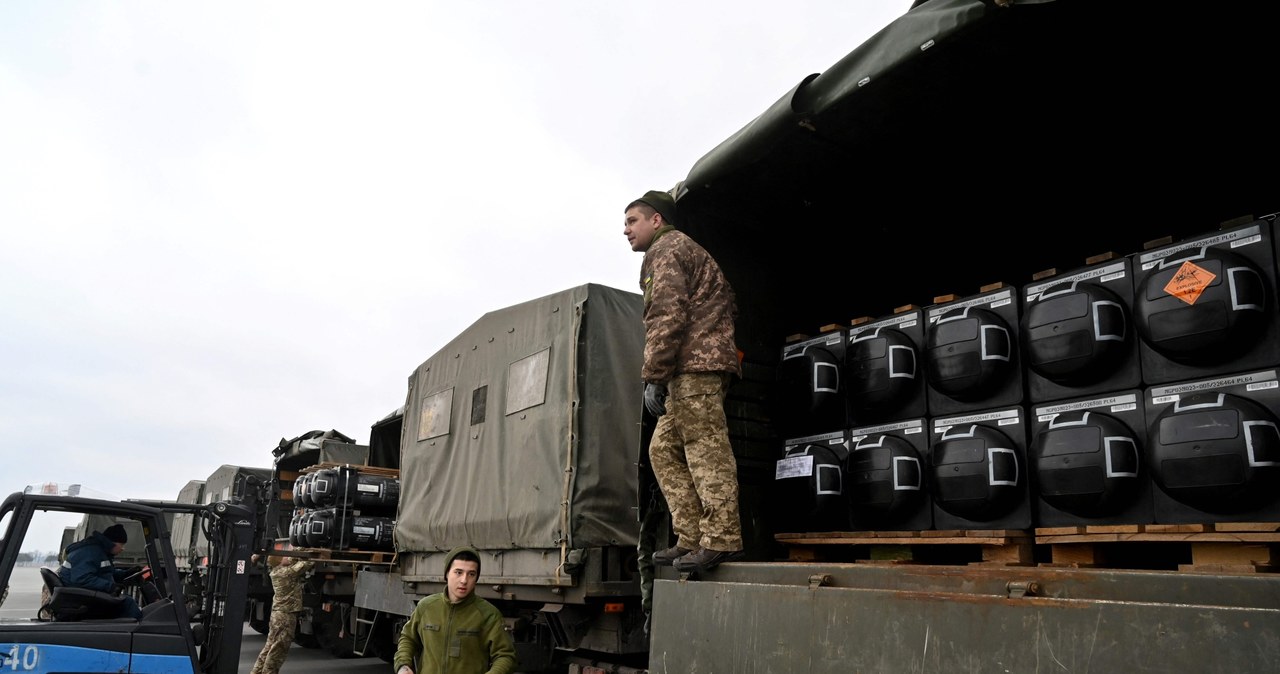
(519, 435)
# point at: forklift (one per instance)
(184, 628)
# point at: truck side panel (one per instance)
(758, 618)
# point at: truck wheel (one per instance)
(340, 646)
(385, 641)
(260, 626)
(306, 640)
(253, 607)
(341, 643)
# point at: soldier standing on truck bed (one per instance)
(690, 358)
(288, 576)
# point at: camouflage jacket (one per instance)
(689, 310)
(287, 582)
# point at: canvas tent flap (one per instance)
(898, 43)
(963, 130)
(520, 435)
(319, 447)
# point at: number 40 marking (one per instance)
(20, 657)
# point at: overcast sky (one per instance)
(223, 224)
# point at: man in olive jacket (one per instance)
(455, 631)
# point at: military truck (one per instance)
(184, 531)
(967, 161)
(895, 228)
(134, 551)
(328, 619)
(519, 438)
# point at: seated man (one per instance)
(88, 564)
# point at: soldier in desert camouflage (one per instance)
(288, 576)
(690, 358)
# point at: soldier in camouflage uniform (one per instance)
(288, 576)
(689, 360)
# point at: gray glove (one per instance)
(655, 399)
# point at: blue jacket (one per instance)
(88, 564)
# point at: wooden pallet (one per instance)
(1189, 548)
(993, 547)
(364, 470)
(1225, 547)
(337, 556)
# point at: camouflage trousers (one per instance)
(279, 637)
(694, 465)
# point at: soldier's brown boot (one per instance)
(666, 557)
(703, 559)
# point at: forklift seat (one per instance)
(75, 603)
(51, 578)
(51, 581)
(78, 603)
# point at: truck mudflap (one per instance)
(841, 618)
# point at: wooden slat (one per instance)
(1229, 548)
(366, 470)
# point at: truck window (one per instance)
(435, 417)
(527, 381)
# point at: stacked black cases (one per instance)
(886, 477)
(347, 487)
(978, 471)
(1088, 464)
(1206, 307)
(971, 353)
(811, 392)
(884, 378)
(343, 529)
(1214, 449)
(809, 484)
(1077, 333)
(343, 508)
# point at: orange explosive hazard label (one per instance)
(1189, 282)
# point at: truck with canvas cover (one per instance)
(329, 618)
(184, 529)
(519, 438)
(333, 501)
(1043, 228)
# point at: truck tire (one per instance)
(305, 639)
(340, 642)
(260, 626)
(386, 638)
(340, 647)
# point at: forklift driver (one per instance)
(88, 564)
